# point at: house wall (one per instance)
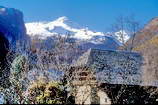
(86, 88)
(104, 99)
(83, 94)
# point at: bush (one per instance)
(42, 92)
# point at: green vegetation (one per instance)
(42, 92)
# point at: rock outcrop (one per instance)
(12, 29)
(11, 24)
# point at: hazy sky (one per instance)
(96, 14)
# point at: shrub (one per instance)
(42, 92)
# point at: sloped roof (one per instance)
(114, 67)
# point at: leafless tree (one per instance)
(133, 26)
(120, 26)
(126, 25)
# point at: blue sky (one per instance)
(98, 15)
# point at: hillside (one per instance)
(148, 32)
(146, 42)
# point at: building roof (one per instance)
(113, 67)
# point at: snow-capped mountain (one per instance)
(60, 26)
(121, 36)
(63, 26)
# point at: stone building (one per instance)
(108, 77)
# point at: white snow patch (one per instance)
(63, 26)
(121, 36)
(47, 29)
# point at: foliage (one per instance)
(42, 92)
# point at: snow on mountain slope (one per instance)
(63, 26)
(121, 36)
(60, 26)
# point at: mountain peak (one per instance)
(62, 19)
(62, 26)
